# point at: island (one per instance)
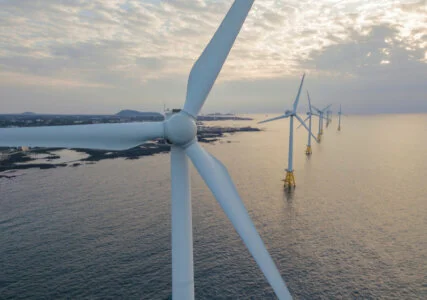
(16, 159)
(28, 119)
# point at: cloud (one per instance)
(276, 34)
(375, 73)
(366, 55)
(124, 43)
(16, 79)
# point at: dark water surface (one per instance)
(355, 227)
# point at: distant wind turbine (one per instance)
(339, 119)
(308, 150)
(290, 178)
(328, 117)
(321, 114)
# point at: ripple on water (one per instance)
(354, 227)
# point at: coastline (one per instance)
(28, 160)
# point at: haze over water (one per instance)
(355, 227)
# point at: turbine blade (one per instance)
(274, 119)
(316, 109)
(323, 110)
(182, 231)
(303, 124)
(219, 182)
(119, 136)
(299, 93)
(309, 102)
(207, 67)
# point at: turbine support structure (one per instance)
(289, 180)
(308, 150)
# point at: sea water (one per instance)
(354, 227)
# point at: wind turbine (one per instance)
(328, 117)
(321, 117)
(290, 179)
(308, 150)
(180, 131)
(339, 119)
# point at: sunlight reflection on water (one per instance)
(353, 228)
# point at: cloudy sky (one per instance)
(100, 56)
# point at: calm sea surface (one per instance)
(355, 227)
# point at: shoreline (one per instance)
(23, 160)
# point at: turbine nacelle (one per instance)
(180, 129)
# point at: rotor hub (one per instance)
(180, 129)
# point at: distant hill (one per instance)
(135, 113)
(28, 113)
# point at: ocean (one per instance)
(355, 227)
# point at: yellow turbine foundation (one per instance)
(308, 150)
(339, 128)
(319, 137)
(290, 179)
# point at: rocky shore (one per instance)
(25, 160)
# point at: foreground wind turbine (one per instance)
(308, 150)
(290, 179)
(321, 114)
(339, 119)
(180, 130)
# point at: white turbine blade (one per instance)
(316, 109)
(207, 67)
(219, 182)
(274, 119)
(299, 93)
(118, 136)
(182, 231)
(326, 108)
(303, 124)
(309, 102)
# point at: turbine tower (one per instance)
(339, 119)
(180, 131)
(289, 180)
(308, 150)
(328, 117)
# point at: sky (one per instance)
(101, 56)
